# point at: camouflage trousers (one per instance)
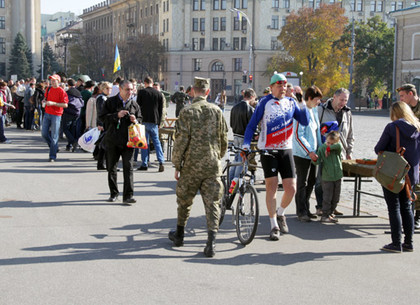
(211, 193)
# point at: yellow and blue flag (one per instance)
(117, 61)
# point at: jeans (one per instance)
(69, 129)
(2, 136)
(152, 130)
(400, 214)
(29, 117)
(306, 176)
(50, 131)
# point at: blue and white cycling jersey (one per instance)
(276, 117)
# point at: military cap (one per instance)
(201, 83)
(406, 87)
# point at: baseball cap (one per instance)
(278, 77)
(56, 77)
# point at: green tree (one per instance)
(51, 65)
(373, 54)
(310, 36)
(20, 62)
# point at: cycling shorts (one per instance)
(278, 161)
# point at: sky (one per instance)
(76, 6)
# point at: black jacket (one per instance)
(117, 129)
(75, 102)
(151, 104)
(240, 115)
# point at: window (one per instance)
(283, 21)
(215, 24)
(223, 5)
(195, 44)
(237, 3)
(243, 43)
(145, 11)
(274, 43)
(237, 63)
(202, 24)
(223, 23)
(244, 3)
(244, 24)
(372, 6)
(236, 43)
(235, 23)
(151, 10)
(3, 68)
(164, 24)
(393, 6)
(311, 3)
(379, 6)
(237, 86)
(167, 24)
(2, 45)
(2, 22)
(197, 62)
(202, 43)
(215, 46)
(195, 25)
(216, 4)
(1, 3)
(217, 66)
(276, 3)
(317, 3)
(167, 6)
(157, 9)
(400, 5)
(222, 44)
(286, 3)
(195, 5)
(275, 22)
(359, 6)
(352, 5)
(203, 5)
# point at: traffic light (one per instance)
(244, 78)
(250, 78)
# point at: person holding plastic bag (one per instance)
(118, 113)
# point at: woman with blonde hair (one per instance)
(399, 205)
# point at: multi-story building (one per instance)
(19, 16)
(407, 47)
(209, 38)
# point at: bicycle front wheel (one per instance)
(247, 212)
(223, 203)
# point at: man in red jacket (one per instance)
(55, 100)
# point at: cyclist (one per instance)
(276, 112)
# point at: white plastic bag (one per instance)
(88, 139)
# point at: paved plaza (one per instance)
(62, 243)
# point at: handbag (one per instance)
(391, 169)
(137, 136)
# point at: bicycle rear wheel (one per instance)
(247, 213)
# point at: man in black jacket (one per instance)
(118, 113)
(150, 101)
(71, 114)
(240, 115)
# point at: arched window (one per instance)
(217, 66)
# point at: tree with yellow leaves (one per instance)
(310, 37)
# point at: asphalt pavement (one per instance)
(62, 243)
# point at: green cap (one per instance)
(201, 83)
(278, 77)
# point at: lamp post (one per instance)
(300, 78)
(65, 38)
(241, 13)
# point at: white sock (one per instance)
(273, 222)
(280, 211)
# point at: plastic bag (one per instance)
(137, 136)
(88, 139)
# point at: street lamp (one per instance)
(65, 38)
(241, 13)
(300, 78)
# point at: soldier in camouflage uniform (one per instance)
(408, 95)
(200, 144)
(179, 98)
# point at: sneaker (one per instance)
(312, 216)
(142, 168)
(318, 212)
(52, 160)
(161, 167)
(6, 142)
(392, 248)
(328, 219)
(407, 247)
(417, 223)
(337, 213)
(275, 234)
(282, 224)
(304, 218)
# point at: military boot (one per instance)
(210, 249)
(177, 236)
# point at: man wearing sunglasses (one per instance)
(275, 112)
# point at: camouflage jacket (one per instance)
(416, 109)
(179, 98)
(200, 139)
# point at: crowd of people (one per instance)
(300, 137)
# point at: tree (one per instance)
(51, 65)
(310, 36)
(20, 62)
(373, 54)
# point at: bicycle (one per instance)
(245, 215)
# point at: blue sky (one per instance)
(76, 6)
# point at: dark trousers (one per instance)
(113, 154)
(318, 188)
(331, 195)
(19, 112)
(305, 181)
(69, 128)
(29, 117)
(400, 215)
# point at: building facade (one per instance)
(19, 16)
(407, 47)
(209, 38)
